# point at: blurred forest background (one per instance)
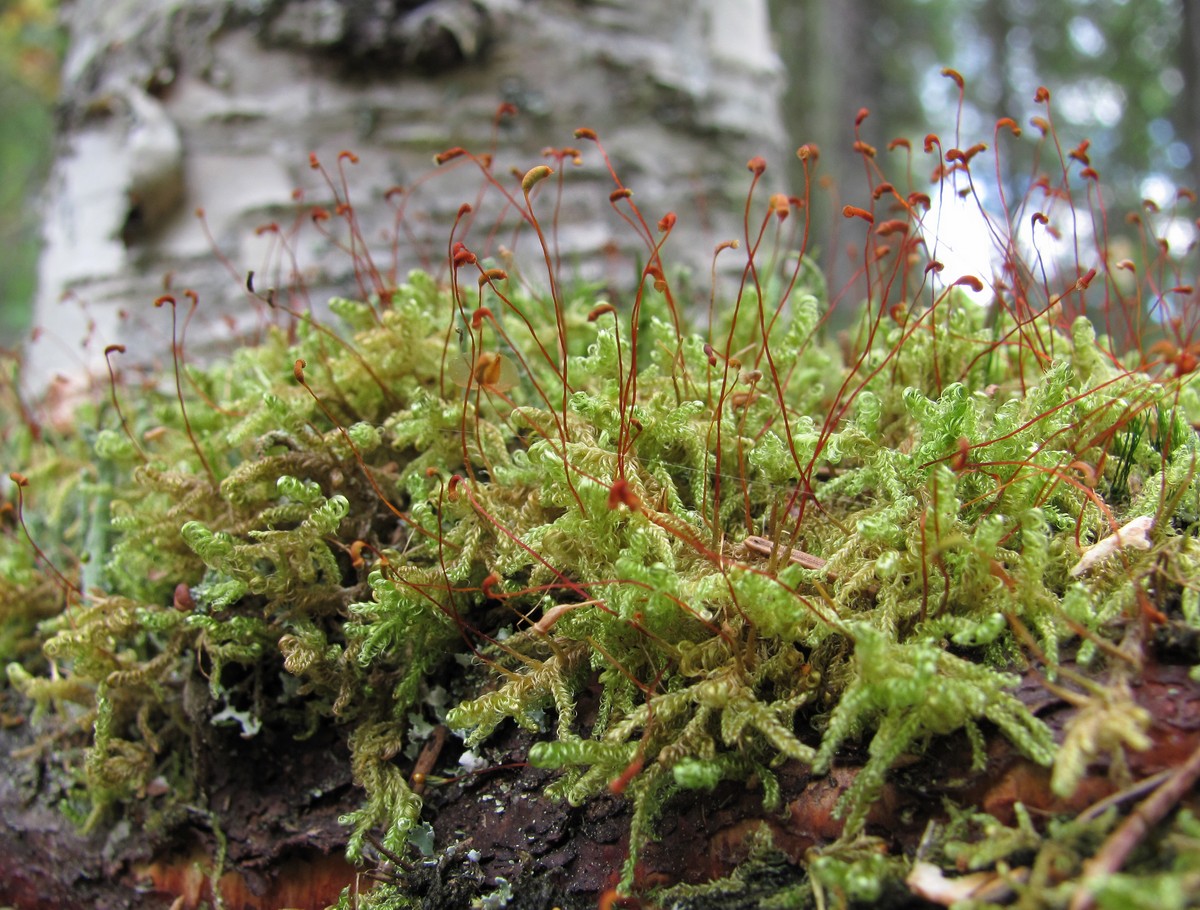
(1124, 73)
(30, 52)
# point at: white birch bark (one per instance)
(174, 106)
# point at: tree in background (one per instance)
(1124, 75)
(176, 107)
(29, 56)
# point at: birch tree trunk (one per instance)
(216, 105)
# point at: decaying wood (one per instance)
(277, 803)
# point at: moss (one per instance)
(564, 493)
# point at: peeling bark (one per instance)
(169, 108)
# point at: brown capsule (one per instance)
(183, 600)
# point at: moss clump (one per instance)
(760, 545)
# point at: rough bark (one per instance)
(216, 105)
